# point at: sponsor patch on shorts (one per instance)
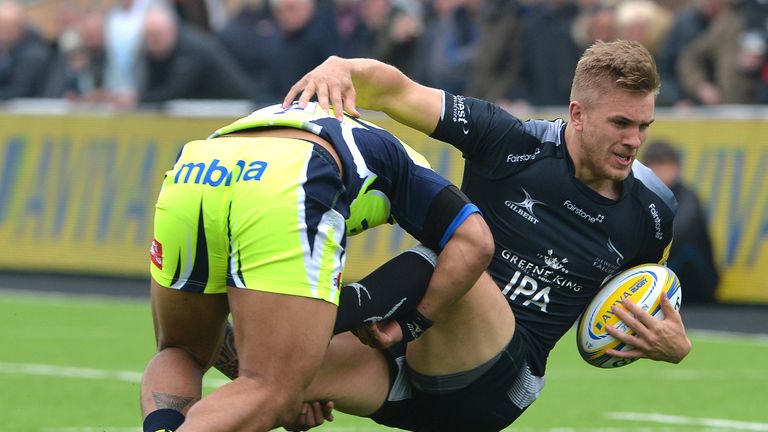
(156, 254)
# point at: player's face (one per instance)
(612, 129)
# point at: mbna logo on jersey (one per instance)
(214, 174)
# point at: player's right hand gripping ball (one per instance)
(644, 286)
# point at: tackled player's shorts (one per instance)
(504, 389)
(251, 212)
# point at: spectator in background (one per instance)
(395, 29)
(596, 22)
(352, 35)
(643, 21)
(205, 15)
(549, 54)
(495, 72)
(754, 44)
(711, 70)
(688, 24)
(252, 26)
(123, 36)
(184, 63)
(303, 42)
(23, 55)
(448, 44)
(78, 70)
(64, 17)
(691, 253)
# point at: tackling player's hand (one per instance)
(382, 334)
(312, 414)
(663, 340)
(332, 83)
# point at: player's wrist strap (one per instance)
(413, 324)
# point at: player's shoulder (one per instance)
(545, 131)
(277, 116)
(650, 190)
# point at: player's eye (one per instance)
(621, 123)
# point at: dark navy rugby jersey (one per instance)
(385, 180)
(557, 240)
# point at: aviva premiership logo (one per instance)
(213, 174)
(525, 207)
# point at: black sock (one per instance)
(164, 419)
(392, 289)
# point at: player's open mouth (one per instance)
(623, 160)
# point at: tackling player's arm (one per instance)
(460, 263)
(345, 84)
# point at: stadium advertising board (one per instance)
(77, 192)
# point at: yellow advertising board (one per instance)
(725, 161)
(77, 192)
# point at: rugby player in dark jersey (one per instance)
(568, 206)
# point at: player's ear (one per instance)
(576, 112)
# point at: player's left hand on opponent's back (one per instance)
(382, 334)
(663, 340)
(331, 83)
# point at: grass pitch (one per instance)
(74, 365)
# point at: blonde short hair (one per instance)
(622, 64)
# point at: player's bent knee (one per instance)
(268, 396)
(179, 352)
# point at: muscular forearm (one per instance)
(377, 84)
(344, 83)
(384, 88)
(459, 265)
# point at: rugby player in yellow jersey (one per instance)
(253, 221)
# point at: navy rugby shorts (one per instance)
(490, 403)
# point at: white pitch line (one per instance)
(587, 429)
(578, 374)
(724, 424)
(92, 429)
(729, 336)
(84, 373)
(135, 429)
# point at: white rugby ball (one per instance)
(643, 285)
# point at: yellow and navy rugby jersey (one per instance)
(386, 181)
(557, 240)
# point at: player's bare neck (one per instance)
(609, 189)
(606, 187)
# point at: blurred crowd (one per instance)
(519, 53)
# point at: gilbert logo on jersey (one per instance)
(524, 208)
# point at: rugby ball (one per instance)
(644, 285)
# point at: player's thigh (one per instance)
(354, 376)
(472, 331)
(287, 252)
(281, 339)
(191, 321)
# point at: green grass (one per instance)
(73, 365)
